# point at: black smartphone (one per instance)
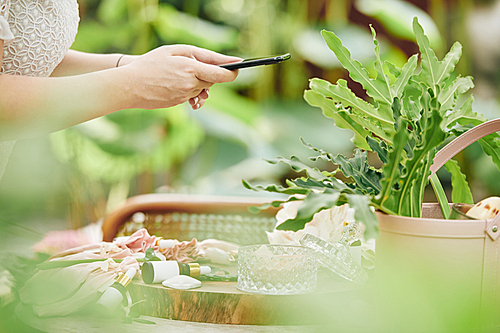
(257, 62)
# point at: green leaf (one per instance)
(449, 62)
(417, 168)
(404, 77)
(448, 96)
(463, 116)
(313, 203)
(402, 191)
(357, 168)
(342, 120)
(379, 92)
(382, 78)
(430, 63)
(364, 214)
(332, 183)
(460, 187)
(379, 147)
(340, 93)
(366, 178)
(150, 255)
(393, 69)
(411, 110)
(491, 146)
(391, 171)
(296, 164)
(434, 72)
(275, 189)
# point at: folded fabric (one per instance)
(139, 241)
(5, 32)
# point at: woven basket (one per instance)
(185, 217)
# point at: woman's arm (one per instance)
(162, 78)
(76, 62)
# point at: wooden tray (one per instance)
(222, 303)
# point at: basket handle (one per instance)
(462, 141)
(456, 146)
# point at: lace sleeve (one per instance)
(5, 32)
(4, 8)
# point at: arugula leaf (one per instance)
(379, 147)
(382, 78)
(448, 96)
(364, 214)
(403, 79)
(313, 203)
(342, 120)
(391, 185)
(491, 146)
(363, 113)
(416, 168)
(357, 168)
(393, 69)
(434, 72)
(296, 164)
(463, 116)
(333, 184)
(275, 189)
(460, 188)
(379, 92)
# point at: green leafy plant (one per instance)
(410, 114)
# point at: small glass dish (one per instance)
(336, 257)
(276, 269)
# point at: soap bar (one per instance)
(182, 282)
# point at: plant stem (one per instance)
(441, 196)
(66, 263)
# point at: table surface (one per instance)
(84, 324)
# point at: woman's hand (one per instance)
(171, 75)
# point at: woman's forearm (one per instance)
(161, 78)
(31, 106)
(76, 62)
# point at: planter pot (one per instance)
(440, 275)
(435, 274)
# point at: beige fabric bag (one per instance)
(440, 275)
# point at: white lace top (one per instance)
(37, 34)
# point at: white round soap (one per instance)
(182, 282)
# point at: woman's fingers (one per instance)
(198, 101)
(204, 94)
(202, 55)
(214, 74)
(213, 58)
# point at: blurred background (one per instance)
(73, 177)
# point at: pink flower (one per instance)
(58, 241)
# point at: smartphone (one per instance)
(257, 62)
